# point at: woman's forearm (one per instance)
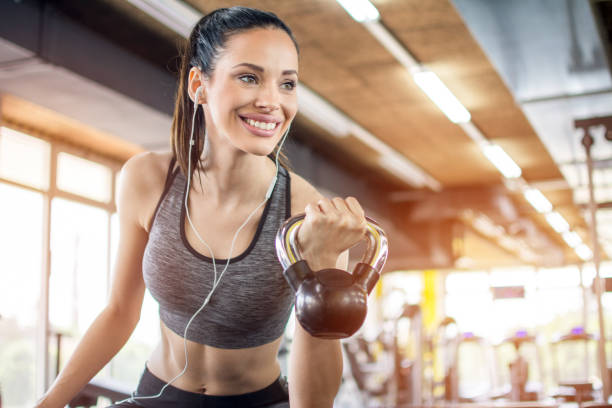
(104, 338)
(315, 372)
(315, 364)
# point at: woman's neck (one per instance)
(234, 176)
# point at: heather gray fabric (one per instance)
(251, 305)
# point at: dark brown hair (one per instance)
(206, 40)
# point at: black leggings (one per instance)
(275, 395)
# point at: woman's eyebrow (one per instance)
(260, 69)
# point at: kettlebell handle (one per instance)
(331, 304)
(288, 251)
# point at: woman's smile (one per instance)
(261, 125)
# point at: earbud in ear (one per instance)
(197, 94)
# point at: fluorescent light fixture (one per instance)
(502, 161)
(485, 226)
(323, 113)
(474, 133)
(584, 252)
(397, 165)
(509, 243)
(387, 40)
(572, 239)
(527, 255)
(557, 221)
(174, 14)
(441, 96)
(537, 200)
(360, 10)
(181, 18)
(340, 125)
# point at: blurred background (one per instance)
(478, 133)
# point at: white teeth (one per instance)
(261, 125)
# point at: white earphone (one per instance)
(215, 280)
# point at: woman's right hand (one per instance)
(330, 227)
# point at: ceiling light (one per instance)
(474, 133)
(501, 160)
(323, 113)
(509, 243)
(387, 40)
(340, 125)
(537, 200)
(485, 226)
(360, 10)
(181, 18)
(397, 165)
(174, 14)
(584, 252)
(441, 96)
(527, 255)
(572, 239)
(557, 221)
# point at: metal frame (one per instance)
(587, 142)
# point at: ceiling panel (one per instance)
(342, 62)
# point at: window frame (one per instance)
(43, 336)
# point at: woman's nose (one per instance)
(268, 97)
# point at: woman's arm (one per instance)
(330, 227)
(114, 325)
(315, 364)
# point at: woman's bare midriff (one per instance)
(212, 370)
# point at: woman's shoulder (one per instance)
(302, 193)
(148, 168)
(144, 176)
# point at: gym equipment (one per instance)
(475, 370)
(407, 384)
(330, 303)
(371, 365)
(393, 373)
(576, 379)
(445, 343)
(521, 389)
(467, 362)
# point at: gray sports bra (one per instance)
(251, 305)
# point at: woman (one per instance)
(197, 228)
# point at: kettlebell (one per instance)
(330, 303)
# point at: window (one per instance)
(21, 268)
(78, 281)
(78, 208)
(24, 159)
(84, 177)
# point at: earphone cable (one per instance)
(216, 280)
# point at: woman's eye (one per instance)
(289, 85)
(249, 79)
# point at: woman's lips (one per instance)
(260, 128)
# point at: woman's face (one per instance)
(250, 97)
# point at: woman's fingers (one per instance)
(340, 205)
(354, 206)
(326, 206)
(332, 226)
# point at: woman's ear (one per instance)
(196, 81)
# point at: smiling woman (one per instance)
(254, 82)
(206, 250)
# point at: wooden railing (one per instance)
(99, 388)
